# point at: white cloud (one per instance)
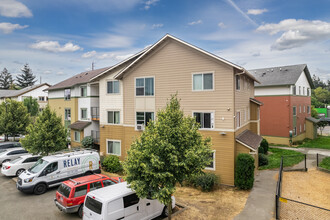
(296, 33)
(89, 54)
(154, 26)
(256, 11)
(7, 28)
(114, 56)
(46, 72)
(221, 25)
(111, 41)
(149, 3)
(60, 73)
(14, 9)
(54, 46)
(195, 22)
(241, 12)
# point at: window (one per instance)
(204, 119)
(238, 119)
(64, 190)
(295, 131)
(211, 166)
(238, 82)
(76, 136)
(108, 183)
(41, 98)
(46, 98)
(144, 86)
(67, 94)
(93, 205)
(113, 117)
(299, 90)
(144, 117)
(294, 90)
(94, 186)
(17, 152)
(31, 160)
(131, 200)
(83, 91)
(203, 81)
(83, 113)
(67, 114)
(113, 147)
(294, 111)
(80, 191)
(308, 109)
(51, 167)
(307, 91)
(305, 127)
(113, 87)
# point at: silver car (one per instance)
(11, 154)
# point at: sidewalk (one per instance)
(260, 204)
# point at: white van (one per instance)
(50, 171)
(121, 202)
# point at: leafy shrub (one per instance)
(260, 150)
(87, 142)
(244, 172)
(206, 181)
(262, 159)
(112, 164)
(264, 144)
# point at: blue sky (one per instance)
(62, 38)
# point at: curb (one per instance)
(182, 208)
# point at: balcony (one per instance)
(95, 113)
(96, 136)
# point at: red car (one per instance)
(71, 194)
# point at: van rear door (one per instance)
(92, 209)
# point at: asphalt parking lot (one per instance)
(17, 205)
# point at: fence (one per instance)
(286, 208)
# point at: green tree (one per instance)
(14, 118)
(26, 78)
(322, 95)
(321, 125)
(169, 151)
(5, 79)
(46, 135)
(87, 142)
(32, 105)
(314, 113)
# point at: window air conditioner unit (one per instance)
(139, 127)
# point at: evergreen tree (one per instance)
(26, 78)
(5, 79)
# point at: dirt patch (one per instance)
(310, 187)
(223, 203)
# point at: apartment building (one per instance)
(218, 93)
(286, 94)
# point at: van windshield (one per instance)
(93, 205)
(38, 166)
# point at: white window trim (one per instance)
(106, 90)
(111, 110)
(144, 96)
(209, 168)
(81, 118)
(240, 84)
(240, 116)
(208, 111)
(202, 90)
(107, 150)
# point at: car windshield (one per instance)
(16, 160)
(38, 166)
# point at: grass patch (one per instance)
(325, 163)
(274, 159)
(320, 142)
(279, 145)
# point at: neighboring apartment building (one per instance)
(36, 91)
(217, 92)
(286, 94)
(76, 100)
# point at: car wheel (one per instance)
(5, 161)
(165, 211)
(19, 172)
(80, 211)
(40, 189)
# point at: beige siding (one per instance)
(172, 67)
(73, 143)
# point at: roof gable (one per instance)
(16, 93)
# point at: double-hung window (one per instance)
(294, 90)
(308, 109)
(238, 82)
(294, 111)
(211, 165)
(203, 81)
(113, 87)
(205, 119)
(76, 136)
(67, 114)
(144, 117)
(67, 94)
(83, 113)
(113, 147)
(113, 117)
(83, 91)
(144, 86)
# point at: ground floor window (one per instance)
(114, 147)
(211, 166)
(76, 136)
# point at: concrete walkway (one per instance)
(260, 204)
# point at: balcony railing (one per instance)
(96, 136)
(95, 112)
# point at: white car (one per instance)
(11, 154)
(18, 166)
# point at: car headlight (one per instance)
(29, 180)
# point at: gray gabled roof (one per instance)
(281, 75)
(249, 139)
(6, 93)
